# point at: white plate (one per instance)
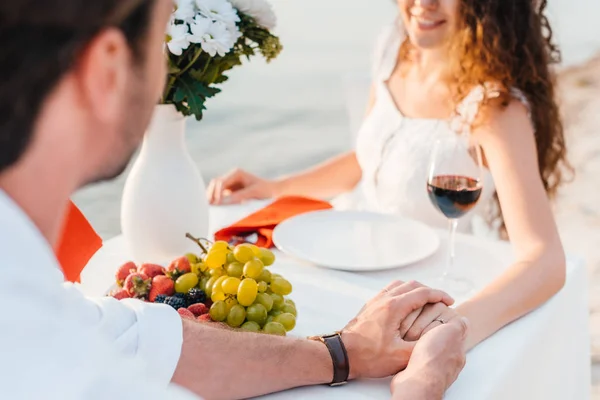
(355, 241)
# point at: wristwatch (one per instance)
(339, 357)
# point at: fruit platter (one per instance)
(223, 284)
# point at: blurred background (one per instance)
(303, 108)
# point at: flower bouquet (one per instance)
(205, 39)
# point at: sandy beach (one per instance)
(302, 99)
(578, 207)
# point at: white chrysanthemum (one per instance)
(261, 10)
(186, 10)
(178, 38)
(213, 36)
(218, 10)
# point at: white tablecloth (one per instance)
(545, 355)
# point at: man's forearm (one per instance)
(218, 363)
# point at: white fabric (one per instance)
(543, 356)
(57, 344)
(394, 150)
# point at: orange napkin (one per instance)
(264, 221)
(77, 244)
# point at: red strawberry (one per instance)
(161, 285)
(137, 285)
(124, 271)
(179, 267)
(151, 270)
(204, 318)
(185, 313)
(121, 294)
(198, 309)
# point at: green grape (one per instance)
(265, 300)
(257, 313)
(217, 295)
(218, 283)
(262, 287)
(247, 291)
(253, 268)
(288, 308)
(243, 253)
(277, 301)
(230, 258)
(216, 272)
(281, 286)
(184, 283)
(267, 257)
(202, 284)
(270, 318)
(218, 311)
(192, 258)
(274, 328)
(230, 285)
(265, 276)
(275, 313)
(216, 259)
(235, 269)
(287, 320)
(219, 246)
(208, 288)
(273, 276)
(236, 316)
(290, 302)
(255, 250)
(250, 326)
(230, 302)
(199, 268)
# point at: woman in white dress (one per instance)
(448, 67)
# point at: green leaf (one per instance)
(192, 93)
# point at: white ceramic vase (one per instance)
(164, 196)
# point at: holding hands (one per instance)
(409, 330)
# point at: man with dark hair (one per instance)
(79, 82)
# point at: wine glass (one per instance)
(454, 185)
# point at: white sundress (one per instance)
(394, 151)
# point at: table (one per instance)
(545, 355)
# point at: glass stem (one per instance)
(453, 223)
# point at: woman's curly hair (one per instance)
(509, 43)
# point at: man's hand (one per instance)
(436, 361)
(373, 341)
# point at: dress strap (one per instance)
(386, 52)
(468, 109)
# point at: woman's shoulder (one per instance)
(491, 103)
(386, 47)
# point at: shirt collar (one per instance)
(21, 242)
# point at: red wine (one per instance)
(454, 195)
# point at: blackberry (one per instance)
(160, 298)
(176, 302)
(182, 297)
(195, 296)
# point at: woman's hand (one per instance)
(239, 186)
(375, 348)
(423, 320)
(435, 363)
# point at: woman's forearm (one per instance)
(522, 288)
(335, 176)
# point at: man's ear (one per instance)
(102, 74)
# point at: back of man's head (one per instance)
(40, 42)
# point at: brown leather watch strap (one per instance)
(339, 357)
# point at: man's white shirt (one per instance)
(57, 344)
